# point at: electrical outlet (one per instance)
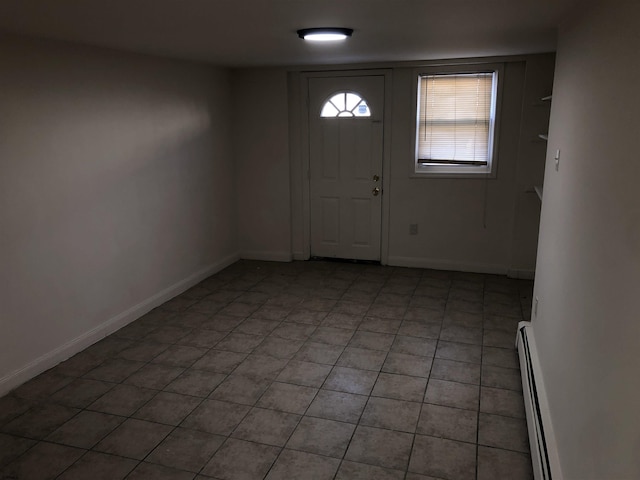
(413, 229)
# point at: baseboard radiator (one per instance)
(546, 464)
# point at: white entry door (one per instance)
(345, 150)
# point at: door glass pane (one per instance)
(345, 104)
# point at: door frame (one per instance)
(305, 171)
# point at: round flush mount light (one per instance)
(327, 34)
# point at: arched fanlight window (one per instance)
(345, 104)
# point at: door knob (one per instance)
(375, 191)
(376, 178)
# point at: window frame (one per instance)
(452, 170)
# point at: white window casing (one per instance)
(457, 121)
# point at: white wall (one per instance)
(463, 224)
(531, 159)
(261, 155)
(456, 229)
(588, 273)
(485, 225)
(116, 191)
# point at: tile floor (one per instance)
(305, 370)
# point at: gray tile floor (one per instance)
(303, 370)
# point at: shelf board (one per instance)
(538, 189)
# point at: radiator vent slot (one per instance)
(544, 457)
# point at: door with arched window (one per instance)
(345, 160)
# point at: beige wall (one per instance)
(588, 274)
(115, 193)
(261, 155)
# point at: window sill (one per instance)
(449, 172)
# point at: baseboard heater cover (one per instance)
(544, 457)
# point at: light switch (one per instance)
(557, 159)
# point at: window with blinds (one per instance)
(455, 122)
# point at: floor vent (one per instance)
(544, 457)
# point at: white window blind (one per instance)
(455, 119)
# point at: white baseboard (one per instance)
(436, 264)
(70, 348)
(266, 256)
(544, 454)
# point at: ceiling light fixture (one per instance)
(327, 34)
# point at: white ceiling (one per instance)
(263, 32)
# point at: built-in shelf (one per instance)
(538, 189)
(542, 137)
(542, 102)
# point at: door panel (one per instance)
(330, 220)
(362, 225)
(345, 158)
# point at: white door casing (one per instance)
(345, 162)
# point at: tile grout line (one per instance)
(247, 289)
(480, 394)
(294, 428)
